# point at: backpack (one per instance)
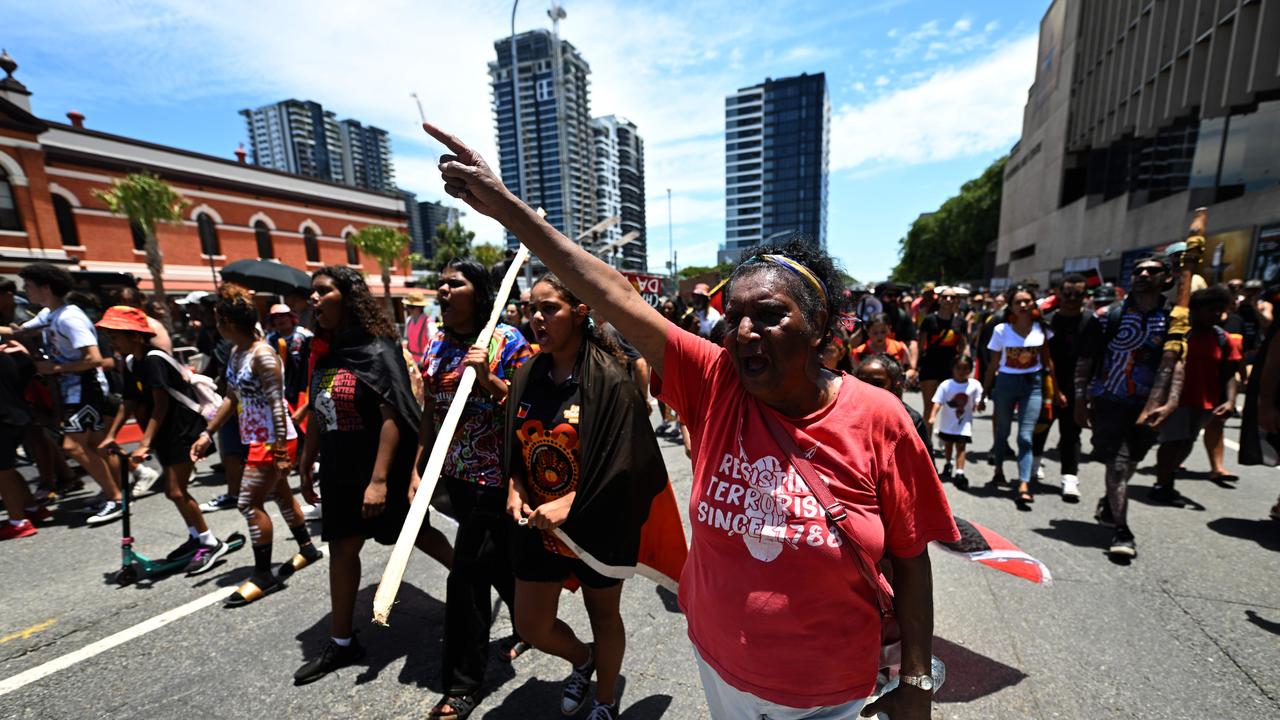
(203, 387)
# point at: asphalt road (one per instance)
(1190, 629)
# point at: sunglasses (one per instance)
(1072, 294)
(1148, 270)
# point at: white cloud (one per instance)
(881, 81)
(955, 113)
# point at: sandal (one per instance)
(1024, 495)
(252, 590)
(1224, 478)
(518, 648)
(461, 707)
(300, 560)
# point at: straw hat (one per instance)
(415, 299)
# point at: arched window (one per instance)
(139, 236)
(312, 245)
(208, 231)
(263, 235)
(9, 219)
(353, 252)
(66, 222)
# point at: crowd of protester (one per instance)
(552, 470)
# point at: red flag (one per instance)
(716, 296)
(982, 545)
(663, 548)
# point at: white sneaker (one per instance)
(1039, 470)
(144, 477)
(106, 512)
(1070, 488)
(312, 512)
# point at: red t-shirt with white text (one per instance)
(773, 597)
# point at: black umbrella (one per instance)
(270, 276)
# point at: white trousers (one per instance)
(729, 703)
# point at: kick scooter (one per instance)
(134, 565)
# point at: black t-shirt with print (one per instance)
(150, 373)
(551, 455)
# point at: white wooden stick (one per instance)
(394, 573)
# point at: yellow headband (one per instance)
(785, 262)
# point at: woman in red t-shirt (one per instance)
(782, 611)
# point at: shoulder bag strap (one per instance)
(191, 405)
(835, 513)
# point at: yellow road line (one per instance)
(24, 634)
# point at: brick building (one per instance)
(49, 171)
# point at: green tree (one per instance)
(451, 241)
(723, 270)
(948, 245)
(146, 200)
(488, 254)
(384, 244)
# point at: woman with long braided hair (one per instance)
(255, 394)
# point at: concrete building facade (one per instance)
(1141, 112)
(777, 150)
(619, 169)
(301, 137)
(433, 215)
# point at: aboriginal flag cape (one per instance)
(624, 517)
(378, 363)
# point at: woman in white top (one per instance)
(255, 394)
(1020, 349)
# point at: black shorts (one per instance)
(10, 438)
(1117, 434)
(957, 439)
(84, 417)
(533, 562)
(173, 451)
(229, 444)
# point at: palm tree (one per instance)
(386, 246)
(146, 200)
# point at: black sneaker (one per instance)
(663, 429)
(205, 557)
(186, 548)
(332, 657)
(1167, 495)
(1122, 544)
(577, 685)
(603, 712)
(946, 470)
(959, 480)
(106, 512)
(1103, 513)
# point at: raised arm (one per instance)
(468, 177)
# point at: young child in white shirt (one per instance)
(953, 405)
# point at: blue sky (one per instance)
(924, 93)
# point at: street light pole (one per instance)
(515, 107)
(671, 253)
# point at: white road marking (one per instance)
(40, 672)
(1231, 444)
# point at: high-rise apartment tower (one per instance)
(776, 155)
(555, 126)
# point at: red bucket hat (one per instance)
(124, 317)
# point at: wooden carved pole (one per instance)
(394, 573)
(1166, 395)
